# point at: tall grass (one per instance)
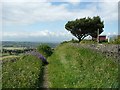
(73, 67)
(23, 73)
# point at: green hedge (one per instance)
(24, 73)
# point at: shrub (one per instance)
(74, 41)
(45, 50)
(88, 42)
(117, 41)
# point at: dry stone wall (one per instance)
(108, 50)
(112, 51)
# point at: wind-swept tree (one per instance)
(83, 27)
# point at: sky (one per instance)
(44, 20)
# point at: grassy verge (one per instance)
(24, 73)
(72, 67)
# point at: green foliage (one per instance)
(24, 73)
(116, 41)
(74, 41)
(5, 54)
(64, 42)
(88, 42)
(71, 41)
(45, 50)
(15, 51)
(83, 27)
(73, 67)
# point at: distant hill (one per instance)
(26, 44)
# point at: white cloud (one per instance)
(28, 13)
(33, 12)
(44, 33)
(22, 1)
(73, 2)
(108, 0)
(42, 36)
(0, 21)
(109, 11)
(59, 1)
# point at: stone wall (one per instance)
(112, 51)
(107, 50)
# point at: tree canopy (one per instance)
(83, 27)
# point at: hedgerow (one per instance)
(23, 73)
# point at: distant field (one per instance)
(14, 48)
(9, 57)
(12, 51)
(5, 54)
(26, 44)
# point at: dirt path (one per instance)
(43, 80)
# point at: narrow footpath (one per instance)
(43, 80)
(45, 77)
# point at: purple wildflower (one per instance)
(40, 56)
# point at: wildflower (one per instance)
(40, 56)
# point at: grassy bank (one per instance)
(23, 73)
(72, 67)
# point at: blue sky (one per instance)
(45, 21)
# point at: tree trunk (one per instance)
(94, 39)
(79, 39)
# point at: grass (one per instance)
(5, 54)
(72, 67)
(24, 73)
(88, 42)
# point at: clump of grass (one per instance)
(73, 67)
(23, 73)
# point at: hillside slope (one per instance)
(73, 67)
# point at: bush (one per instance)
(72, 41)
(45, 50)
(88, 42)
(23, 73)
(117, 41)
